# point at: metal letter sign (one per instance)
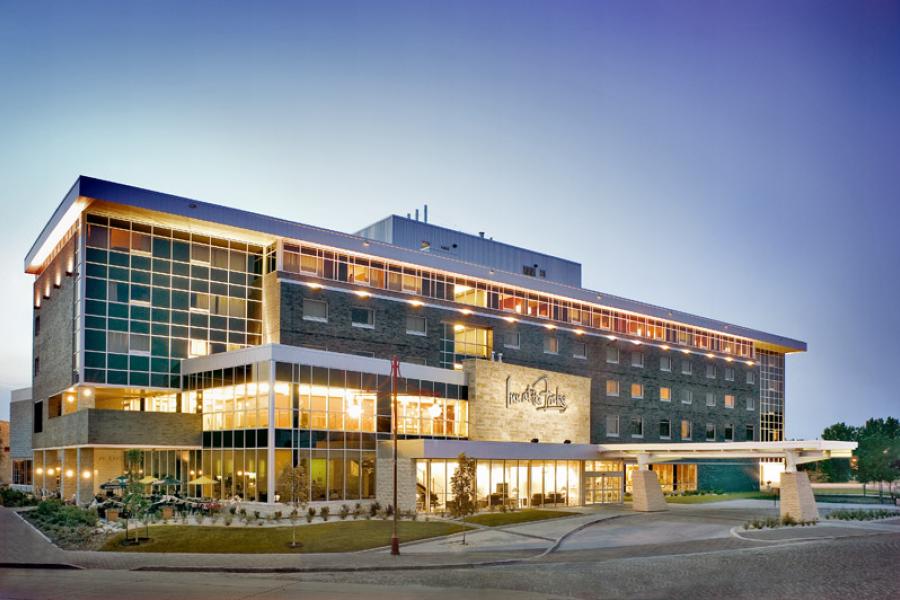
(538, 394)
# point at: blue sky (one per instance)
(739, 160)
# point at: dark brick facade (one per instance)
(389, 337)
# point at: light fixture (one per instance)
(70, 473)
(685, 351)
(362, 293)
(709, 355)
(416, 302)
(354, 411)
(86, 474)
(664, 347)
(435, 411)
(550, 326)
(611, 338)
(87, 392)
(749, 363)
(240, 473)
(458, 327)
(457, 366)
(192, 473)
(314, 285)
(509, 319)
(39, 471)
(50, 471)
(728, 359)
(579, 332)
(70, 399)
(636, 342)
(465, 311)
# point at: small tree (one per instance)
(463, 485)
(136, 504)
(293, 484)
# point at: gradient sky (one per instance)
(739, 160)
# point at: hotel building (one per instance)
(228, 344)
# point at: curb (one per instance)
(555, 545)
(49, 566)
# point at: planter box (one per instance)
(112, 515)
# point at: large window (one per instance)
(21, 471)
(686, 429)
(612, 387)
(551, 344)
(637, 390)
(665, 394)
(729, 432)
(511, 340)
(665, 429)
(665, 363)
(637, 359)
(612, 355)
(612, 425)
(416, 325)
(637, 427)
(464, 341)
(710, 432)
(687, 396)
(729, 400)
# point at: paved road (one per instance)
(851, 567)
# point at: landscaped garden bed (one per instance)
(338, 536)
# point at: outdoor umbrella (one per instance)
(202, 480)
(147, 480)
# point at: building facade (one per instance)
(227, 345)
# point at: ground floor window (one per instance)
(509, 483)
(672, 478)
(21, 471)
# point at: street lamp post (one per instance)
(395, 372)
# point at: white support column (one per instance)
(270, 450)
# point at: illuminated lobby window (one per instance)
(464, 341)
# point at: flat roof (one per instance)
(89, 188)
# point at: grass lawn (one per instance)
(718, 497)
(338, 536)
(848, 491)
(498, 519)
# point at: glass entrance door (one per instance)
(603, 489)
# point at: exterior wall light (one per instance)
(458, 327)
(70, 473)
(509, 319)
(362, 293)
(314, 285)
(354, 411)
(86, 474)
(465, 311)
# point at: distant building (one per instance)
(5, 471)
(228, 345)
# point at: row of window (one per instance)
(638, 391)
(613, 356)
(664, 431)
(380, 274)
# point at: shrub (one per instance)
(277, 516)
(228, 519)
(256, 514)
(388, 511)
(232, 509)
(198, 517)
(374, 508)
(12, 498)
(862, 514)
(357, 510)
(310, 514)
(344, 512)
(325, 511)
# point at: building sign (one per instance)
(538, 394)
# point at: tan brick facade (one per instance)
(406, 483)
(511, 403)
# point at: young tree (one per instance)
(837, 470)
(463, 485)
(133, 500)
(293, 487)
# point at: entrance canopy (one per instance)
(793, 452)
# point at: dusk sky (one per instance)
(738, 160)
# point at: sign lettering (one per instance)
(538, 394)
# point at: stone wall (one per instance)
(95, 426)
(406, 482)
(21, 419)
(511, 403)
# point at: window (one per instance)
(37, 366)
(710, 371)
(416, 325)
(551, 344)
(729, 433)
(751, 377)
(665, 394)
(612, 425)
(687, 397)
(579, 350)
(139, 343)
(637, 427)
(751, 404)
(748, 433)
(637, 390)
(511, 340)
(665, 429)
(38, 418)
(729, 373)
(612, 355)
(729, 400)
(362, 317)
(637, 359)
(37, 326)
(117, 341)
(315, 310)
(665, 363)
(710, 399)
(612, 387)
(686, 429)
(686, 367)
(710, 432)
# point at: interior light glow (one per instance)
(39, 471)
(354, 411)
(70, 473)
(458, 327)
(435, 411)
(457, 366)
(86, 474)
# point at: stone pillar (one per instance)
(647, 492)
(86, 476)
(797, 499)
(406, 482)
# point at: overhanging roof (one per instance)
(88, 188)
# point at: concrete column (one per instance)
(797, 499)
(87, 486)
(646, 491)
(270, 451)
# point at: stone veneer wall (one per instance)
(491, 419)
(95, 426)
(406, 482)
(21, 418)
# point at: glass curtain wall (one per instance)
(509, 483)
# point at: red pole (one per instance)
(395, 372)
